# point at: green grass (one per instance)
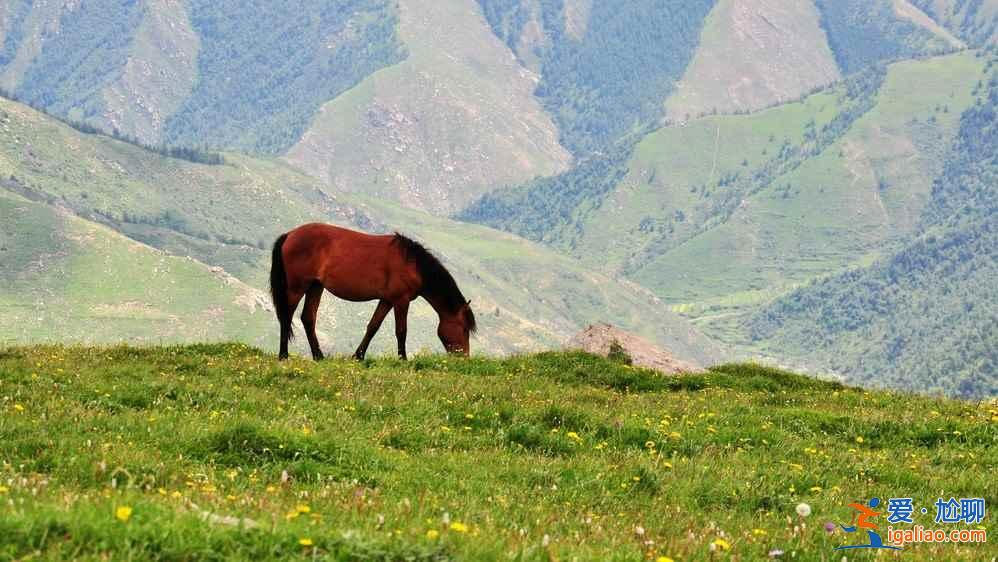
(555, 456)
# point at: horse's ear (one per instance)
(467, 302)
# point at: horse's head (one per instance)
(456, 328)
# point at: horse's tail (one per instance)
(279, 286)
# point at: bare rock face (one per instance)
(601, 339)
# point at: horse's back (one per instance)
(352, 265)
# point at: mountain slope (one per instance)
(453, 120)
(926, 316)
(606, 67)
(752, 55)
(861, 191)
(226, 215)
(165, 70)
(975, 21)
(264, 68)
(865, 32)
(728, 212)
(69, 279)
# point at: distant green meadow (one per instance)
(210, 452)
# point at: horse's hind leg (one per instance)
(294, 297)
(309, 313)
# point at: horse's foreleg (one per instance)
(401, 316)
(309, 314)
(372, 327)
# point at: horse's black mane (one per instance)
(437, 281)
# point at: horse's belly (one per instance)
(353, 296)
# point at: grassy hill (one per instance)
(860, 188)
(221, 452)
(226, 216)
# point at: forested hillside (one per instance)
(925, 317)
(975, 21)
(605, 67)
(250, 75)
(865, 32)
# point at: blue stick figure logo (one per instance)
(860, 522)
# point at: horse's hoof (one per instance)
(318, 357)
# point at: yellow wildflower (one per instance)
(459, 527)
(123, 513)
(19, 407)
(305, 542)
(664, 559)
(432, 534)
(573, 435)
(722, 544)
(859, 438)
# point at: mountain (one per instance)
(752, 55)
(230, 74)
(975, 21)
(810, 179)
(925, 316)
(225, 216)
(411, 100)
(721, 215)
(454, 119)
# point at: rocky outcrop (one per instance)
(602, 339)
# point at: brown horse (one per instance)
(354, 266)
